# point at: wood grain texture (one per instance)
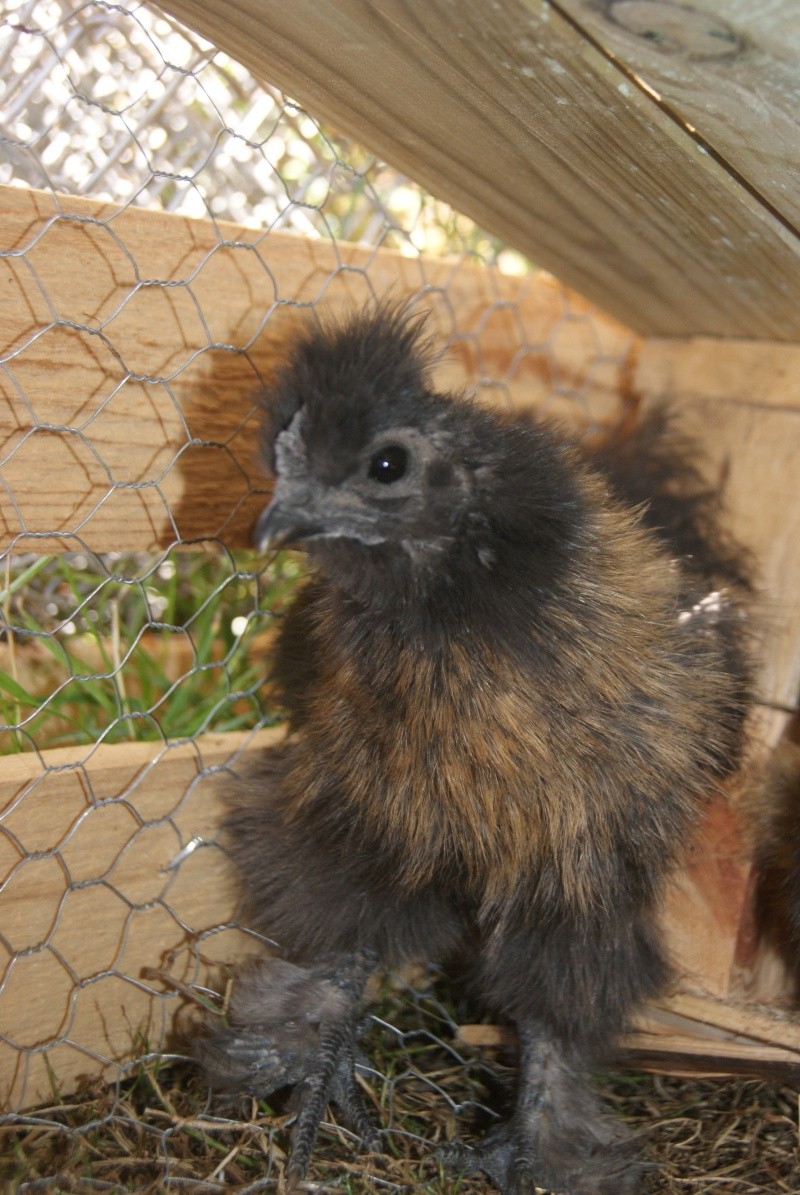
(743, 402)
(132, 344)
(515, 116)
(685, 1033)
(727, 69)
(708, 901)
(108, 868)
(713, 1018)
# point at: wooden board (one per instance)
(690, 1034)
(743, 402)
(727, 70)
(109, 871)
(521, 120)
(135, 342)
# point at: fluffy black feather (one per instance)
(510, 688)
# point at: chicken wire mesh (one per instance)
(135, 623)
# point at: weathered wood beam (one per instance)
(727, 70)
(513, 113)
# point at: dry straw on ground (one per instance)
(157, 1130)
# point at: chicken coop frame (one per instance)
(636, 168)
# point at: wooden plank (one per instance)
(743, 401)
(728, 70)
(516, 117)
(107, 869)
(160, 330)
(684, 1033)
(745, 372)
(708, 900)
(757, 1022)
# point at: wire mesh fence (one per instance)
(165, 219)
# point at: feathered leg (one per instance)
(296, 1026)
(559, 1138)
(332, 1077)
(570, 985)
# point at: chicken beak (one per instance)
(279, 525)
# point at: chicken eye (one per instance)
(388, 464)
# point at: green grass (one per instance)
(132, 648)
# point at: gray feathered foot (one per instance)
(295, 1026)
(519, 1166)
(559, 1138)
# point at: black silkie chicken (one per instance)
(510, 687)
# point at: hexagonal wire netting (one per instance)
(113, 631)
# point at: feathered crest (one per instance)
(342, 368)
